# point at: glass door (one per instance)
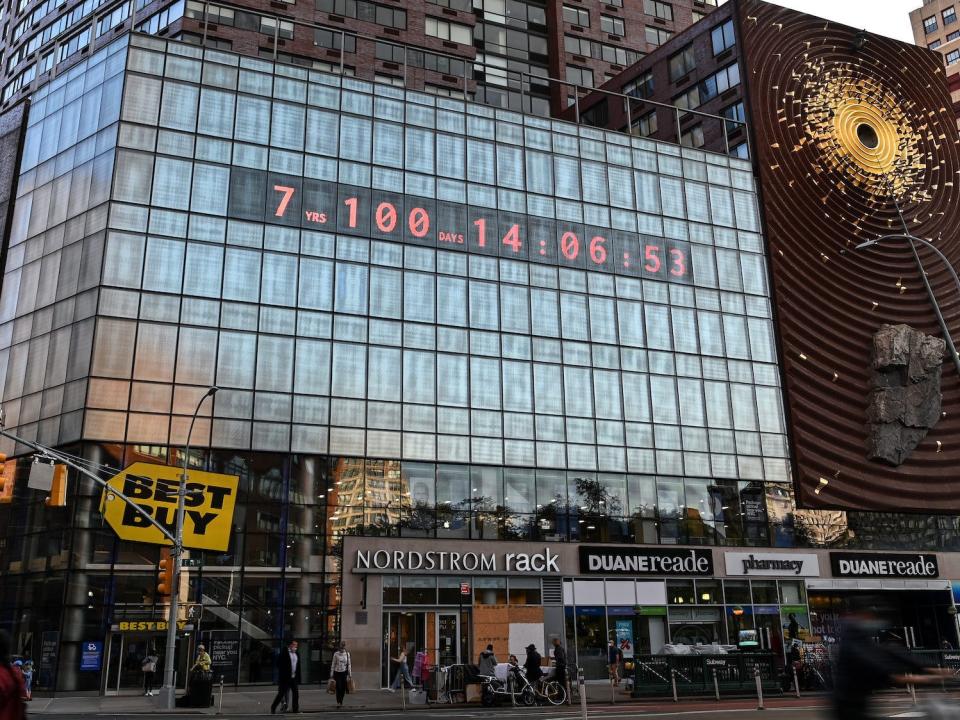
(448, 639)
(401, 631)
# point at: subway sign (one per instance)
(208, 505)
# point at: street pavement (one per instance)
(379, 705)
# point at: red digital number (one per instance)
(598, 253)
(512, 238)
(284, 201)
(653, 264)
(418, 222)
(570, 245)
(386, 217)
(679, 257)
(351, 203)
(481, 232)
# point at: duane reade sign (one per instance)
(772, 564)
(885, 565)
(645, 561)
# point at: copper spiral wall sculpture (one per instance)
(847, 126)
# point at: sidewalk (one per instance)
(256, 701)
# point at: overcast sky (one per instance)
(884, 17)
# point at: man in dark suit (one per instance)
(288, 678)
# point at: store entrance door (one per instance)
(401, 631)
(448, 639)
(124, 661)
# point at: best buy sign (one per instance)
(208, 505)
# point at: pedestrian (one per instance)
(532, 665)
(149, 668)
(12, 690)
(28, 677)
(614, 656)
(200, 688)
(559, 663)
(342, 672)
(288, 678)
(793, 627)
(403, 672)
(487, 662)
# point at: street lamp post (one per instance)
(176, 556)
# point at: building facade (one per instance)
(483, 375)
(935, 26)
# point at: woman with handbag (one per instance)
(342, 673)
(200, 690)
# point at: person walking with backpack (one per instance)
(149, 668)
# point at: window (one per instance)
(682, 63)
(454, 32)
(934, 45)
(697, 16)
(282, 28)
(735, 113)
(692, 137)
(366, 11)
(656, 36)
(388, 79)
(953, 56)
(723, 37)
(576, 16)
(688, 100)
(642, 87)
(464, 5)
(615, 3)
(930, 24)
(608, 53)
(949, 16)
(719, 82)
(334, 40)
(645, 125)
(612, 25)
(740, 151)
(662, 10)
(953, 36)
(580, 76)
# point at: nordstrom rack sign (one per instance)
(448, 561)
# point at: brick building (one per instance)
(935, 26)
(500, 51)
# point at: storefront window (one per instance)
(419, 590)
(391, 590)
(642, 508)
(448, 592)
(737, 592)
(681, 592)
(524, 591)
(490, 591)
(591, 639)
(709, 592)
(764, 592)
(793, 592)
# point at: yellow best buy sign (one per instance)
(208, 505)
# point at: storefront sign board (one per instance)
(772, 564)
(644, 561)
(884, 565)
(446, 561)
(91, 657)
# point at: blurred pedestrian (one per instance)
(13, 692)
(614, 656)
(149, 668)
(288, 678)
(559, 662)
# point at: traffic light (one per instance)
(165, 573)
(7, 475)
(58, 490)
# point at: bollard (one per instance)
(582, 690)
(796, 681)
(220, 704)
(513, 687)
(673, 684)
(756, 677)
(613, 691)
(403, 695)
(716, 685)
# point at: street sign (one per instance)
(208, 505)
(464, 588)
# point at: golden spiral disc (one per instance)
(866, 136)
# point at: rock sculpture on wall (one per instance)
(905, 399)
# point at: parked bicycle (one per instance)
(493, 689)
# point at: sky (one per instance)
(883, 17)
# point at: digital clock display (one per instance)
(381, 215)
